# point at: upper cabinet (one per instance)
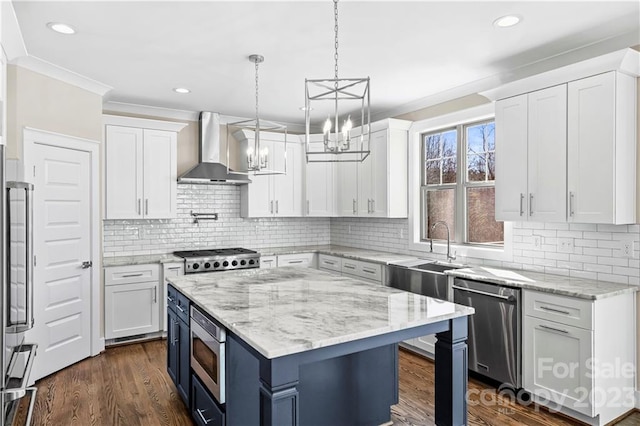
(531, 156)
(270, 195)
(377, 186)
(320, 187)
(568, 152)
(140, 168)
(601, 170)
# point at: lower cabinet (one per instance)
(204, 409)
(367, 271)
(578, 356)
(178, 350)
(301, 259)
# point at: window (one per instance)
(457, 185)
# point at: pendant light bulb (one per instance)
(346, 129)
(327, 126)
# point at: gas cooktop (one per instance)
(225, 259)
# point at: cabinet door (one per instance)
(169, 270)
(591, 146)
(511, 159)
(123, 173)
(555, 363)
(347, 188)
(320, 189)
(379, 173)
(547, 154)
(160, 174)
(288, 187)
(184, 361)
(366, 183)
(259, 193)
(172, 346)
(131, 309)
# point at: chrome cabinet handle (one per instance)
(271, 207)
(292, 262)
(308, 209)
(155, 295)
(175, 335)
(559, 330)
(328, 262)
(349, 266)
(202, 416)
(521, 204)
(369, 271)
(132, 275)
(354, 206)
(180, 308)
(558, 311)
(139, 206)
(170, 299)
(530, 204)
(277, 207)
(373, 205)
(571, 196)
(174, 268)
(146, 206)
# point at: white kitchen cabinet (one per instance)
(168, 270)
(531, 156)
(132, 300)
(274, 195)
(140, 168)
(320, 186)
(377, 186)
(574, 356)
(364, 270)
(602, 149)
(330, 263)
(299, 259)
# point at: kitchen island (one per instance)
(309, 347)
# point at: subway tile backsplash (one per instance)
(594, 252)
(138, 237)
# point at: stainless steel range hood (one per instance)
(210, 169)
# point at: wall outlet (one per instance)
(537, 242)
(627, 248)
(565, 245)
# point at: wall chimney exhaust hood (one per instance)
(210, 170)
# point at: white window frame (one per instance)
(418, 128)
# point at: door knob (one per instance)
(87, 264)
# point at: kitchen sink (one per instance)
(426, 278)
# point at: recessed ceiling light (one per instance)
(61, 28)
(304, 108)
(181, 90)
(507, 21)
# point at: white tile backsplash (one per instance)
(596, 251)
(139, 237)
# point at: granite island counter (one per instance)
(309, 347)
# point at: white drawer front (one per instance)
(369, 271)
(302, 259)
(129, 274)
(561, 309)
(268, 262)
(330, 263)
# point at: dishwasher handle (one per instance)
(509, 298)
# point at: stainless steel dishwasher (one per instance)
(494, 331)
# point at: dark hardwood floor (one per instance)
(129, 385)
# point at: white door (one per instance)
(511, 159)
(379, 174)
(62, 288)
(159, 174)
(288, 187)
(320, 189)
(547, 151)
(123, 159)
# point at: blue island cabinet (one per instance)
(178, 357)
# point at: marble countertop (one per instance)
(140, 260)
(557, 284)
(281, 311)
(334, 250)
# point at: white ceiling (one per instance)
(411, 50)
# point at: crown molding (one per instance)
(152, 111)
(119, 120)
(11, 36)
(41, 66)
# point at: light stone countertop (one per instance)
(140, 260)
(557, 284)
(282, 311)
(346, 252)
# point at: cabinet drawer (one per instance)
(564, 310)
(172, 298)
(369, 271)
(268, 261)
(182, 307)
(204, 410)
(330, 263)
(302, 259)
(129, 274)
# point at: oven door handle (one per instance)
(510, 298)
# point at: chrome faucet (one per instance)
(441, 222)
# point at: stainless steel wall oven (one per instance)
(208, 353)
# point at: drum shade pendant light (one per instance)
(260, 160)
(340, 100)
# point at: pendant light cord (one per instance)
(257, 119)
(335, 56)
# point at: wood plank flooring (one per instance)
(129, 385)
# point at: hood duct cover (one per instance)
(210, 169)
